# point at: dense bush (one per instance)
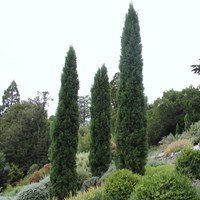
(177, 146)
(6, 198)
(188, 163)
(120, 184)
(35, 191)
(165, 186)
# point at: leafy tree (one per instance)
(24, 135)
(196, 69)
(10, 97)
(169, 110)
(131, 133)
(100, 154)
(64, 136)
(84, 108)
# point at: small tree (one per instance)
(64, 136)
(10, 97)
(131, 136)
(100, 154)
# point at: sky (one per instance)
(35, 36)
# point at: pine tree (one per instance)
(100, 154)
(131, 136)
(64, 133)
(10, 97)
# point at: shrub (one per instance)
(83, 169)
(151, 170)
(84, 139)
(165, 186)
(120, 184)
(6, 198)
(91, 194)
(35, 191)
(32, 169)
(188, 163)
(15, 174)
(177, 146)
(35, 177)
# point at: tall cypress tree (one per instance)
(131, 137)
(100, 154)
(64, 133)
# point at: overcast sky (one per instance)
(35, 36)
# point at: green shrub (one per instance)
(32, 169)
(15, 174)
(188, 163)
(165, 186)
(84, 139)
(120, 184)
(151, 170)
(35, 191)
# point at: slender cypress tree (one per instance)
(64, 133)
(131, 137)
(100, 154)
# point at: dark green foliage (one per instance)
(196, 69)
(120, 184)
(165, 186)
(15, 174)
(10, 97)
(131, 121)
(100, 153)
(24, 135)
(188, 163)
(166, 112)
(177, 129)
(84, 108)
(4, 170)
(187, 122)
(64, 136)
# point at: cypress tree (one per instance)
(131, 137)
(100, 154)
(64, 133)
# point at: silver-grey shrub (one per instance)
(35, 191)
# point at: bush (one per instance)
(177, 146)
(6, 198)
(15, 174)
(120, 184)
(32, 169)
(83, 169)
(91, 194)
(165, 186)
(188, 163)
(84, 139)
(151, 170)
(35, 191)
